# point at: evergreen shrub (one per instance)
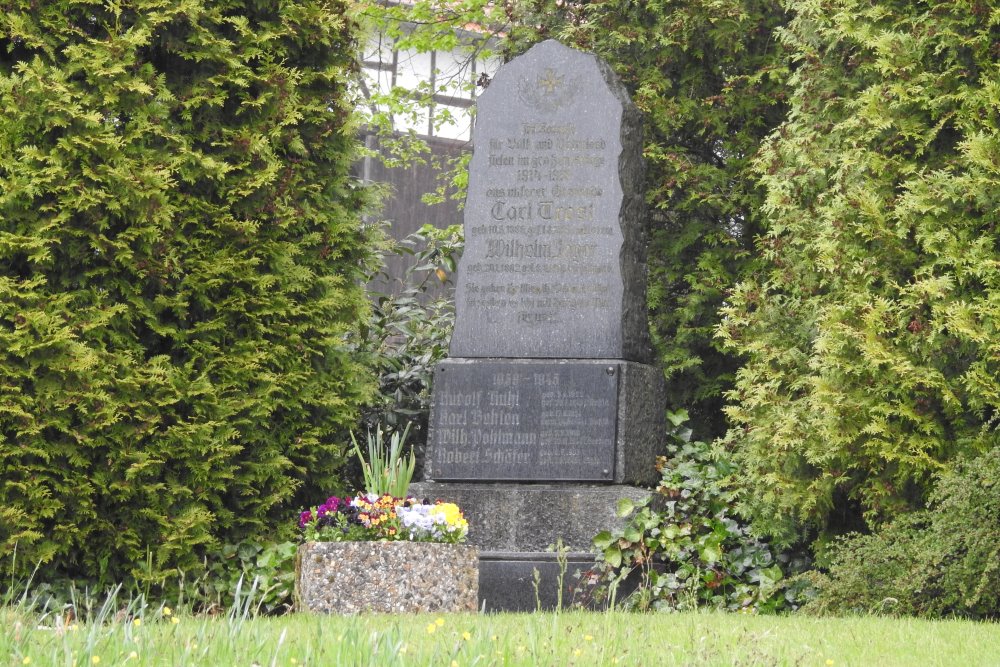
(940, 562)
(872, 331)
(180, 248)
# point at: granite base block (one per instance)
(533, 517)
(387, 577)
(530, 581)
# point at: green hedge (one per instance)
(871, 332)
(179, 247)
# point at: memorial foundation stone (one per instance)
(548, 410)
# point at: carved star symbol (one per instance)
(550, 81)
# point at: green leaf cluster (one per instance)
(871, 331)
(262, 573)
(180, 243)
(408, 331)
(685, 549)
(385, 470)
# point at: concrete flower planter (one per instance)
(388, 577)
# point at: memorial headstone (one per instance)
(548, 410)
(553, 241)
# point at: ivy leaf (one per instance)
(625, 507)
(603, 539)
(613, 556)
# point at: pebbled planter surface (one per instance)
(389, 577)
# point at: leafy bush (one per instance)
(687, 547)
(872, 333)
(180, 246)
(262, 571)
(944, 561)
(409, 332)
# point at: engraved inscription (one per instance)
(541, 275)
(547, 213)
(537, 421)
(547, 90)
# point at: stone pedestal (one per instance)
(509, 582)
(532, 517)
(516, 527)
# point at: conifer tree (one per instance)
(872, 336)
(179, 247)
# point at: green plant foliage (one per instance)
(464, 28)
(871, 337)
(409, 331)
(179, 252)
(385, 469)
(941, 562)
(687, 547)
(260, 576)
(265, 572)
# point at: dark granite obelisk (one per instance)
(548, 410)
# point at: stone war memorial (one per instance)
(548, 410)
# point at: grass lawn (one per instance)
(570, 638)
